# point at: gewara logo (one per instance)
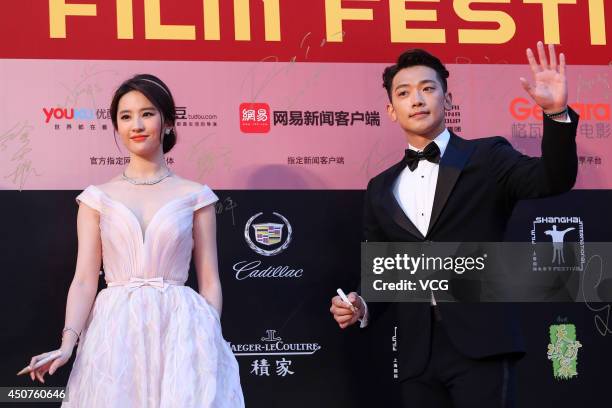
(522, 109)
(69, 114)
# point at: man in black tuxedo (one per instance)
(450, 189)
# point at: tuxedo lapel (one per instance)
(454, 159)
(392, 206)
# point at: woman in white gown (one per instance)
(147, 340)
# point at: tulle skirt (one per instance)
(146, 348)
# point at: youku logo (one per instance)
(558, 231)
(268, 235)
(69, 114)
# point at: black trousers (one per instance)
(452, 380)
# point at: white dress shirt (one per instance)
(414, 192)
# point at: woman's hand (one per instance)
(56, 359)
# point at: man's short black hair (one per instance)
(411, 58)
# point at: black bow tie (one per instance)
(431, 153)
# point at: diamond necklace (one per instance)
(146, 182)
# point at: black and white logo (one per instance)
(564, 237)
(272, 356)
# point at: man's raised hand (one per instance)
(549, 89)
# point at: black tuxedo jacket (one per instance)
(479, 183)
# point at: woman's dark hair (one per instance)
(160, 96)
(412, 58)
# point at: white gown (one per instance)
(150, 341)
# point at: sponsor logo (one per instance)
(394, 349)
(523, 109)
(185, 118)
(273, 344)
(557, 256)
(69, 114)
(276, 352)
(182, 114)
(268, 235)
(254, 117)
(251, 269)
(78, 119)
(266, 239)
(453, 119)
(563, 350)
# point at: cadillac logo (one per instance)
(267, 235)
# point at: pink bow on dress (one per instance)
(134, 283)
(157, 283)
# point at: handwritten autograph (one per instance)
(208, 157)
(226, 205)
(257, 88)
(376, 158)
(85, 87)
(19, 133)
(588, 84)
(601, 325)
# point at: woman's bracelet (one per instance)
(72, 330)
